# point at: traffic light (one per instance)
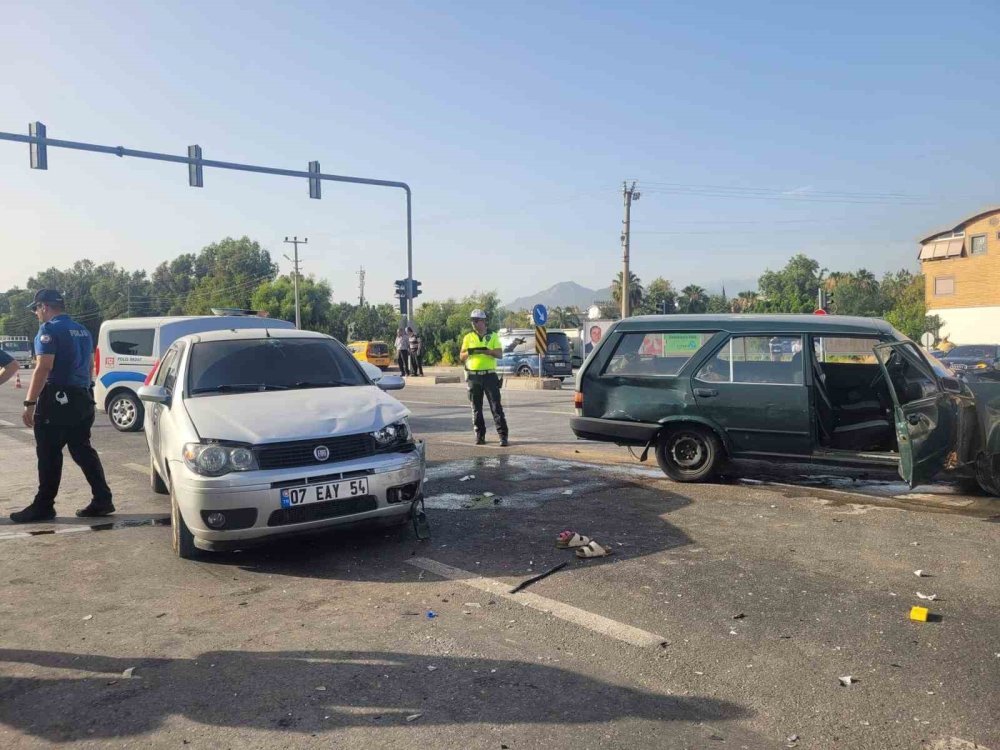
(414, 288)
(401, 288)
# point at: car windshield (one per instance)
(269, 364)
(979, 352)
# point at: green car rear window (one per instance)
(655, 353)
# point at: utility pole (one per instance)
(629, 194)
(361, 286)
(295, 279)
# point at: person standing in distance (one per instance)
(480, 351)
(416, 352)
(8, 367)
(60, 408)
(403, 352)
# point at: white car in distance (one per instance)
(257, 434)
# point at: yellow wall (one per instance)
(977, 277)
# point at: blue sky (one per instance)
(843, 130)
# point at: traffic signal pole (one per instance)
(39, 143)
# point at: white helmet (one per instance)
(477, 314)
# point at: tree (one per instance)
(635, 293)
(904, 293)
(659, 291)
(277, 298)
(744, 302)
(793, 288)
(228, 273)
(519, 319)
(564, 317)
(692, 299)
(856, 293)
(443, 324)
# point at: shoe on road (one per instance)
(503, 442)
(33, 513)
(480, 440)
(96, 511)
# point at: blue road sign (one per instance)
(539, 315)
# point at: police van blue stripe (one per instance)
(118, 376)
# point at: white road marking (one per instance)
(575, 615)
(141, 468)
(46, 532)
(5, 423)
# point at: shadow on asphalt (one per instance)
(495, 515)
(278, 691)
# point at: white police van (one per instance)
(129, 349)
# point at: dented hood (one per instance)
(279, 416)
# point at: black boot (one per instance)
(32, 514)
(480, 440)
(96, 510)
(503, 442)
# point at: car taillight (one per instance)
(578, 400)
(152, 373)
(97, 361)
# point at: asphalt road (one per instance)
(726, 617)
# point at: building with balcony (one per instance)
(961, 267)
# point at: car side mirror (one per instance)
(391, 383)
(951, 385)
(154, 394)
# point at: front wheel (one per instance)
(182, 540)
(689, 453)
(126, 412)
(524, 371)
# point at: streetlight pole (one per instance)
(295, 278)
(629, 194)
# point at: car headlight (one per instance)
(216, 459)
(397, 432)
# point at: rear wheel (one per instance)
(689, 453)
(125, 411)
(181, 537)
(988, 474)
(524, 371)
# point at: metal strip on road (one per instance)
(575, 615)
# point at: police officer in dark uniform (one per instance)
(60, 408)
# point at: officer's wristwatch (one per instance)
(30, 403)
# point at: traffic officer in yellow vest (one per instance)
(480, 351)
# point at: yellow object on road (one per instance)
(919, 614)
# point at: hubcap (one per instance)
(688, 452)
(123, 412)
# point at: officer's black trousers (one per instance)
(49, 443)
(487, 384)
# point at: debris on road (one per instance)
(128, 672)
(467, 477)
(567, 492)
(431, 614)
(593, 549)
(848, 680)
(431, 668)
(528, 581)
(88, 617)
(921, 574)
(321, 688)
(570, 539)
(928, 597)
(413, 717)
(739, 616)
(919, 614)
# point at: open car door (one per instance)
(923, 414)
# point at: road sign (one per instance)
(541, 340)
(819, 311)
(539, 315)
(927, 340)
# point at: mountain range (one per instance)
(563, 294)
(571, 294)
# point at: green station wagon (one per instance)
(699, 389)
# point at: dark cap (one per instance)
(47, 297)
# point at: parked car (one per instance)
(20, 348)
(699, 389)
(128, 349)
(375, 352)
(520, 358)
(980, 360)
(259, 434)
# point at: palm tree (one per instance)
(743, 302)
(635, 292)
(564, 317)
(693, 299)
